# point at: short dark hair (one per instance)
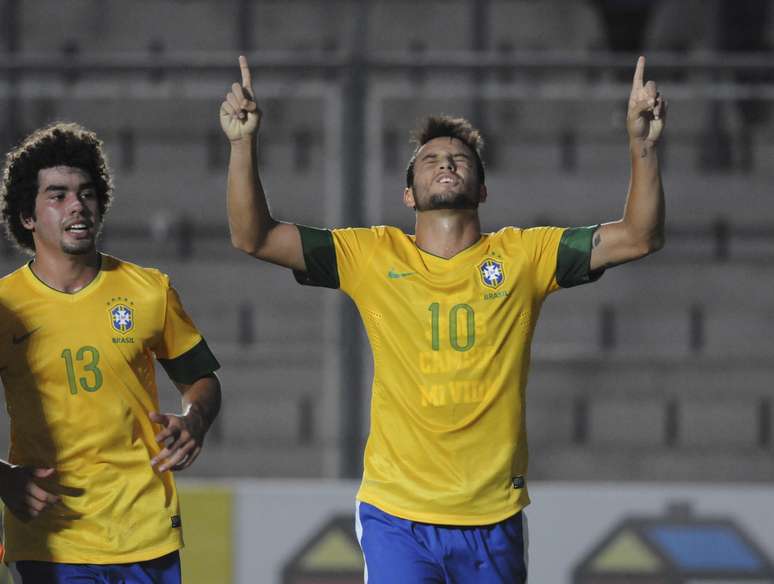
(442, 127)
(59, 144)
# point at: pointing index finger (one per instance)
(639, 73)
(247, 81)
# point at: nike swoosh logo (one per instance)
(395, 275)
(21, 338)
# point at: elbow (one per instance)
(252, 240)
(651, 245)
(656, 241)
(249, 243)
(248, 247)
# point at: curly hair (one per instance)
(443, 127)
(59, 144)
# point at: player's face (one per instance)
(445, 177)
(66, 212)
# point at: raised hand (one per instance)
(647, 108)
(239, 114)
(22, 494)
(182, 437)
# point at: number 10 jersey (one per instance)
(451, 347)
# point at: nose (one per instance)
(447, 162)
(75, 204)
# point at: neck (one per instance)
(445, 233)
(66, 273)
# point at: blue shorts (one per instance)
(399, 550)
(163, 570)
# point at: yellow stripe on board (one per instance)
(208, 553)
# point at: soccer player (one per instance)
(450, 313)
(88, 490)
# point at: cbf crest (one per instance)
(121, 313)
(492, 273)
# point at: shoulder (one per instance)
(12, 277)
(375, 235)
(141, 275)
(379, 231)
(14, 289)
(528, 236)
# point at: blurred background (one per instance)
(659, 374)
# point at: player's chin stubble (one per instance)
(79, 248)
(448, 201)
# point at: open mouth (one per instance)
(447, 179)
(78, 228)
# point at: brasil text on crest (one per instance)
(122, 316)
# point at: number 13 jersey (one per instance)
(451, 347)
(79, 378)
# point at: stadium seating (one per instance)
(662, 370)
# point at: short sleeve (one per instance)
(562, 257)
(573, 264)
(319, 257)
(182, 351)
(336, 258)
(541, 245)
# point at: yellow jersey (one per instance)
(78, 372)
(451, 348)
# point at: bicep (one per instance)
(613, 244)
(282, 246)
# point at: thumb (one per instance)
(42, 473)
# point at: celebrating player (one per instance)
(88, 492)
(450, 313)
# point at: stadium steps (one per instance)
(115, 26)
(562, 376)
(707, 465)
(258, 460)
(394, 25)
(573, 26)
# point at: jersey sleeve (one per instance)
(320, 258)
(573, 262)
(182, 351)
(561, 257)
(337, 258)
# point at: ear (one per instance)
(482, 194)
(27, 222)
(408, 198)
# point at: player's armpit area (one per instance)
(573, 262)
(191, 365)
(320, 258)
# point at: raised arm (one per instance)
(253, 229)
(641, 230)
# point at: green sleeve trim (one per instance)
(320, 258)
(573, 262)
(191, 365)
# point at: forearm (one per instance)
(201, 401)
(249, 218)
(644, 212)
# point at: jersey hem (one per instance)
(442, 519)
(143, 556)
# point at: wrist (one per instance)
(642, 148)
(641, 142)
(197, 421)
(245, 142)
